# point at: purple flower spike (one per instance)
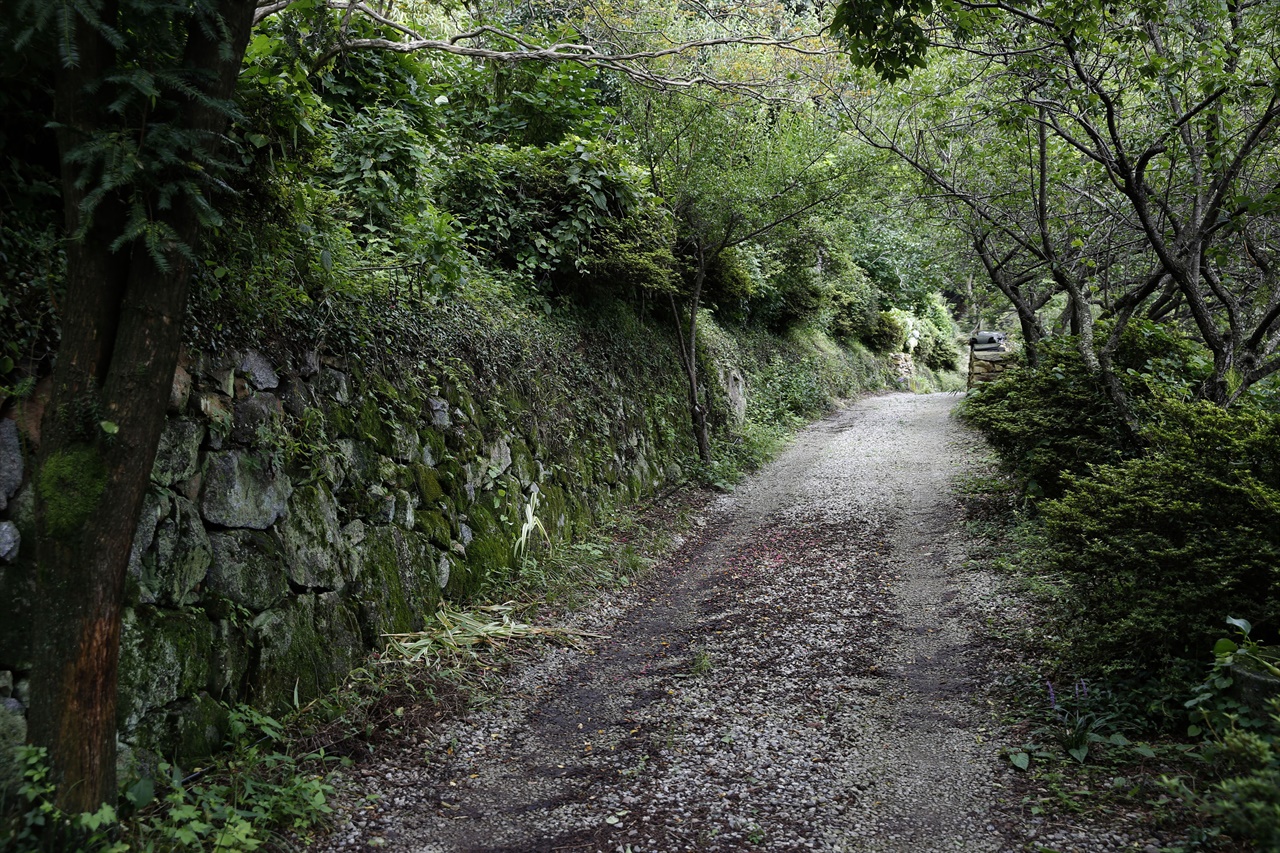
(1053, 698)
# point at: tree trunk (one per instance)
(121, 334)
(689, 358)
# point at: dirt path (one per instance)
(800, 675)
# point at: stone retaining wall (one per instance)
(986, 366)
(300, 509)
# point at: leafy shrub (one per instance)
(1056, 419)
(1049, 421)
(889, 333)
(795, 287)
(532, 103)
(1247, 803)
(538, 211)
(938, 333)
(246, 796)
(1157, 548)
(851, 301)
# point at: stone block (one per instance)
(258, 370)
(165, 655)
(178, 455)
(395, 580)
(179, 391)
(142, 559)
(404, 443)
(310, 537)
(183, 553)
(333, 385)
(253, 413)
(248, 568)
(13, 734)
(217, 408)
(230, 661)
(241, 490)
(10, 541)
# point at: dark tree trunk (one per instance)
(689, 357)
(121, 334)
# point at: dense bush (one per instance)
(851, 303)
(890, 332)
(936, 348)
(1158, 549)
(1056, 419)
(541, 211)
(1050, 421)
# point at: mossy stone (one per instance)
(288, 647)
(523, 465)
(384, 582)
(370, 426)
(156, 504)
(231, 660)
(360, 459)
(427, 482)
(248, 568)
(305, 648)
(452, 478)
(178, 455)
(202, 728)
(433, 443)
(310, 538)
(435, 527)
(489, 558)
(183, 553)
(13, 734)
(338, 625)
(242, 490)
(165, 656)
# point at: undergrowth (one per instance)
(1183, 756)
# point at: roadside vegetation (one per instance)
(432, 190)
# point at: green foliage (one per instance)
(890, 332)
(1157, 547)
(886, 36)
(254, 792)
(1247, 804)
(530, 104)
(1050, 421)
(1242, 733)
(795, 287)
(540, 211)
(936, 348)
(138, 155)
(852, 300)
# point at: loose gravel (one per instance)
(806, 672)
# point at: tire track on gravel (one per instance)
(798, 676)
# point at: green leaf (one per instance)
(1079, 753)
(1020, 760)
(1194, 731)
(1224, 647)
(1145, 751)
(109, 427)
(1119, 739)
(141, 793)
(1243, 624)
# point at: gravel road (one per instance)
(803, 673)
